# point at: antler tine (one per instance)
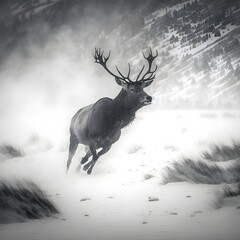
(119, 71)
(150, 55)
(144, 55)
(150, 58)
(126, 79)
(129, 70)
(94, 54)
(140, 73)
(153, 71)
(123, 77)
(152, 76)
(150, 51)
(102, 60)
(106, 58)
(155, 68)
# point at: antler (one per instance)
(102, 60)
(150, 58)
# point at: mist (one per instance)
(43, 87)
(49, 71)
(174, 172)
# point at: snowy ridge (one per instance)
(198, 42)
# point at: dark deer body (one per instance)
(99, 125)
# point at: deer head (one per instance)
(133, 90)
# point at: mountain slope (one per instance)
(198, 41)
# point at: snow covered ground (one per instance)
(124, 197)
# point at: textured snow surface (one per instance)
(124, 198)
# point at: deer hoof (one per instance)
(89, 171)
(85, 167)
(84, 160)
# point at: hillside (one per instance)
(198, 41)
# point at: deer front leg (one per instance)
(86, 166)
(72, 149)
(93, 150)
(92, 163)
(85, 158)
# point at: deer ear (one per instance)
(120, 82)
(146, 83)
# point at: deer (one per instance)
(98, 126)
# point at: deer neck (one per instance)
(123, 111)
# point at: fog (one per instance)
(50, 74)
(43, 87)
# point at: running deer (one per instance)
(99, 125)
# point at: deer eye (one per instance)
(131, 89)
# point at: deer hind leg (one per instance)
(92, 163)
(72, 150)
(85, 158)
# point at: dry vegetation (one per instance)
(230, 190)
(148, 176)
(24, 200)
(219, 153)
(11, 151)
(199, 171)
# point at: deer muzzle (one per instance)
(148, 100)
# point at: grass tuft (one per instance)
(231, 190)
(11, 151)
(148, 176)
(24, 200)
(219, 153)
(196, 171)
(191, 170)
